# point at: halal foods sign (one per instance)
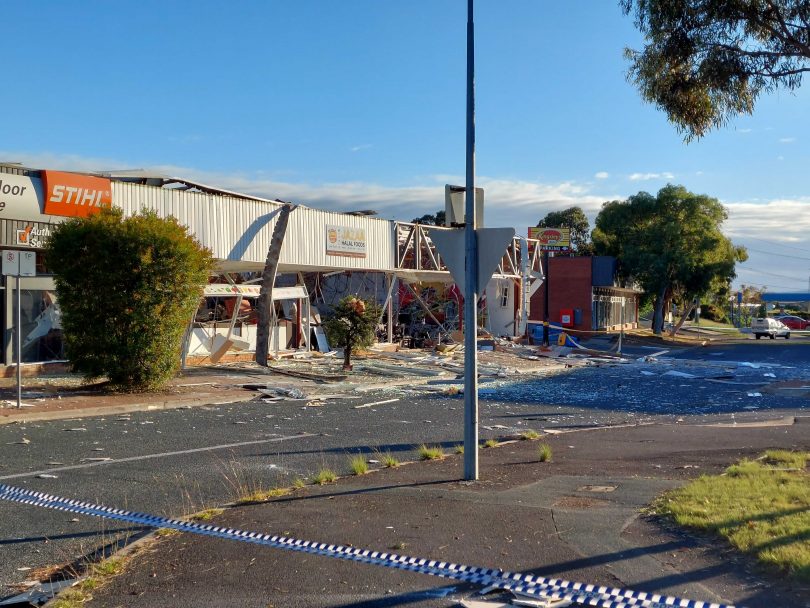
(346, 241)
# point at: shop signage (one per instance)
(74, 195)
(224, 289)
(345, 241)
(20, 263)
(33, 235)
(551, 239)
(19, 196)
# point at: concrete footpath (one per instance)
(576, 517)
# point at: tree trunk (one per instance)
(685, 316)
(658, 316)
(347, 356)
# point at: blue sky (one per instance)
(360, 104)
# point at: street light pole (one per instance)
(471, 278)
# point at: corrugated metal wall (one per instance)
(240, 229)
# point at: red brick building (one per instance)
(584, 296)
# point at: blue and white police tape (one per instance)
(553, 589)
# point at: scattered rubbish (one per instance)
(357, 407)
(46, 476)
(277, 391)
(38, 594)
(77, 429)
(678, 374)
(535, 602)
(23, 441)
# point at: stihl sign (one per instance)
(73, 195)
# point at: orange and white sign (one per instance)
(74, 195)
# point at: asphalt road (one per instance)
(180, 461)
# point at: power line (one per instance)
(781, 255)
(753, 238)
(772, 274)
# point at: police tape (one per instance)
(541, 587)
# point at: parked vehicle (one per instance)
(769, 327)
(794, 322)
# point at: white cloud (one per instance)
(643, 177)
(787, 140)
(360, 147)
(781, 220)
(602, 175)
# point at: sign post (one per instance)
(19, 264)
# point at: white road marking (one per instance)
(211, 448)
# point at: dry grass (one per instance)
(760, 507)
(430, 452)
(491, 443)
(544, 452)
(324, 476)
(530, 435)
(358, 464)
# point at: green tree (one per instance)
(671, 244)
(352, 325)
(576, 221)
(436, 219)
(127, 288)
(705, 61)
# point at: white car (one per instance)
(769, 327)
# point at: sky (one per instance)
(360, 104)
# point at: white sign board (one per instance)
(19, 263)
(346, 241)
(20, 197)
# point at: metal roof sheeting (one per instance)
(239, 230)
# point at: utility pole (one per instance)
(471, 270)
(545, 298)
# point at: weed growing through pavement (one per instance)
(263, 495)
(491, 443)
(544, 452)
(324, 476)
(459, 449)
(358, 464)
(430, 452)
(388, 460)
(530, 435)
(206, 515)
(299, 483)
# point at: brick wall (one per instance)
(570, 280)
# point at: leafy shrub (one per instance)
(127, 288)
(352, 325)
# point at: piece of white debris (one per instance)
(46, 476)
(755, 394)
(77, 429)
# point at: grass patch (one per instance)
(358, 464)
(324, 476)
(164, 532)
(78, 595)
(388, 460)
(459, 449)
(206, 515)
(760, 507)
(299, 483)
(544, 452)
(491, 443)
(430, 452)
(530, 435)
(263, 495)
